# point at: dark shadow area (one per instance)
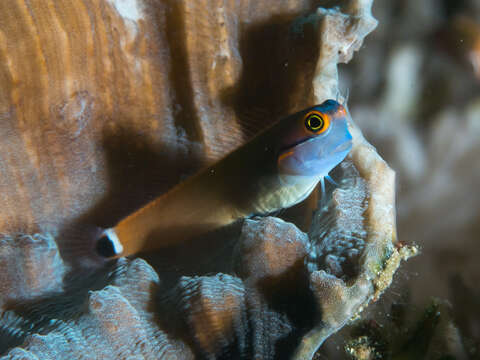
(204, 256)
(290, 295)
(208, 254)
(279, 58)
(466, 309)
(454, 7)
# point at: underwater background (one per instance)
(415, 93)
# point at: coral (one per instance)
(167, 86)
(31, 267)
(109, 323)
(263, 309)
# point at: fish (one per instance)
(277, 169)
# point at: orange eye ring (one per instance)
(317, 122)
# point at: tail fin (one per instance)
(79, 245)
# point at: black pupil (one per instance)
(315, 122)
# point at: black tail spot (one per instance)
(105, 247)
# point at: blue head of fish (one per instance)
(318, 154)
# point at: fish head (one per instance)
(318, 141)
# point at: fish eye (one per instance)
(316, 122)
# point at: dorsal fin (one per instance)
(254, 120)
(246, 124)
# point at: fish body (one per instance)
(277, 169)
